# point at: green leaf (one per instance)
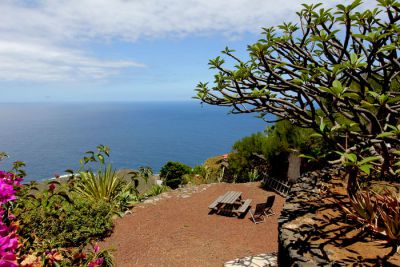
(385, 134)
(316, 135)
(101, 158)
(366, 104)
(352, 157)
(366, 168)
(337, 84)
(353, 58)
(66, 197)
(306, 156)
(322, 125)
(389, 47)
(369, 159)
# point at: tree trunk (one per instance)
(352, 182)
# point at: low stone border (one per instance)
(182, 192)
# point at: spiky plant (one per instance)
(103, 185)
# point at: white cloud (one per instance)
(37, 33)
(132, 19)
(44, 62)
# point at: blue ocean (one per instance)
(52, 137)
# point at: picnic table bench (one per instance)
(243, 207)
(215, 204)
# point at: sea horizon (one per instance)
(52, 136)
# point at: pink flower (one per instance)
(96, 262)
(8, 233)
(10, 178)
(6, 191)
(8, 260)
(96, 248)
(8, 245)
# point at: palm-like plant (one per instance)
(145, 172)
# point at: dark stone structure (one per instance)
(296, 223)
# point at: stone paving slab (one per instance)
(261, 260)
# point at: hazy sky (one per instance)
(123, 50)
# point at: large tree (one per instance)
(336, 71)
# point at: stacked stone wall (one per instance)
(296, 223)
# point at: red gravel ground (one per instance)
(179, 231)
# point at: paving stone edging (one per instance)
(297, 219)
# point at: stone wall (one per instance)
(296, 223)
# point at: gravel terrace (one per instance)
(175, 229)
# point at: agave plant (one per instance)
(389, 213)
(379, 212)
(363, 209)
(104, 185)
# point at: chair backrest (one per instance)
(260, 208)
(270, 202)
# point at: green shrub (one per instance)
(55, 226)
(213, 170)
(51, 222)
(157, 189)
(253, 175)
(172, 173)
(189, 178)
(198, 169)
(268, 152)
(243, 158)
(214, 163)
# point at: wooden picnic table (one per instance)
(230, 203)
(231, 197)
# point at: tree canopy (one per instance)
(335, 71)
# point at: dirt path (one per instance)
(177, 230)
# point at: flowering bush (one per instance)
(51, 227)
(8, 228)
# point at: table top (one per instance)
(230, 197)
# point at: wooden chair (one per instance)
(258, 213)
(268, 206)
